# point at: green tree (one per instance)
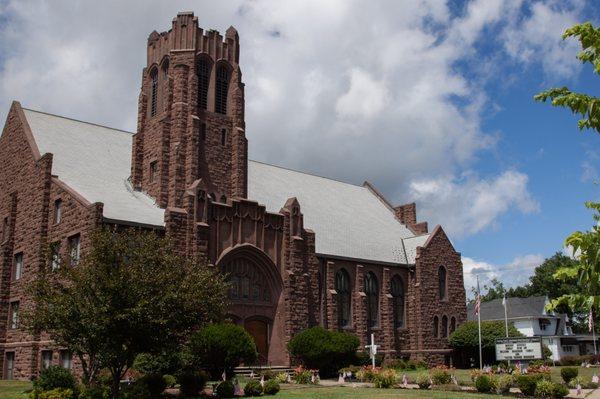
(130, 293)
(221, 347)
(585, 296)
(465, 340)
(585, 105)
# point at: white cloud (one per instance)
(475, 203)
(346, 89)
(511, 274)
(538, 37)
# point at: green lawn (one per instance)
(372, 393)
(14, 389)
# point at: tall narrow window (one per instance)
(74, 249)
(14, 315)
(442, 282)
(65, 359)
(342, 287)
(221, 90)
(444, 326)
(452, 325)
(9, 365)
(397, 291)
(55, 256)
(164, 78)
(435, 326)
(57, 211)
(46, 359)
(203, 132)
(17, 267)
(203, 82)
(153, 171)
(372, 292)
(154, 92)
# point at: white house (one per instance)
(530, 318)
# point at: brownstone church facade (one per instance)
(301, 250)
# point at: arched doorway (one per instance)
(254, 294)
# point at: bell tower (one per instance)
(191, 115)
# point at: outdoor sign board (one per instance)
(519, 348)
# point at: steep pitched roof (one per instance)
(515, 308)
(349, 221)
(94, 161)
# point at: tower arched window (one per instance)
(153, 92)
(444, 326)
(442, 282)
(435, 326)
(203, 71)
(397, 291)
(372, 292)
(164, 78)
(342, 287)
(452, 324)
(221, 89)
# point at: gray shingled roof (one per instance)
(349, 221)
(95, 161)
(515, 307)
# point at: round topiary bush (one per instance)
(253, 388)
(219, 347)
(225, 390)
(559, 391)
(271, 387)
(568, 373)
(191, 382)
(55, 377)
(324, 350)
(483, 383)
(155, 382)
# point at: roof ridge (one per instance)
(77, 120)
(306, 173)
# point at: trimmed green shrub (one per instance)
(253, 388)
(267, 374)
(440, 376)
(191, 382)
(282, 378)
(527, 383)
(272, 387)
(302, 376)
(559, 391)
(55, 377)
(483, 383)
(219, 347)
(363, 358)
(225, 389)
(170, 380)
(384, 378)
(136, 391)
(502, 383)
(57, 393)
(155, 382)
(568, 373)
(543, 389)
(164, 363)
(324, 350)
(423, 380)
(96, 392)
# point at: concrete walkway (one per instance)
(586, 393)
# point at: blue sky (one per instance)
(430, 101)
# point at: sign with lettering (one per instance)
(519, 348)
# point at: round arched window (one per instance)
(442, 282)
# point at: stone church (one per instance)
(300, 250)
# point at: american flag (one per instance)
(477, 304)
(591, 321)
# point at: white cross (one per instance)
(372, 349)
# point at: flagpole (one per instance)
(505, 315)
(593, 328)
(479, 324)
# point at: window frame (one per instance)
(153, 171)
(65, 354)
(203, 72)
(74, 260)
(436, 327)
(343, 287)
(58, 205)
(43, 364)
(398, 301)
(444, 327)
(17, 268)
(222, 80)
(13, 315)
(442, 286)
(153, 91)
(371, 289)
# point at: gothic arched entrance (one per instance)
(255, 288)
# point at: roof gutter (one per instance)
(360, 260)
